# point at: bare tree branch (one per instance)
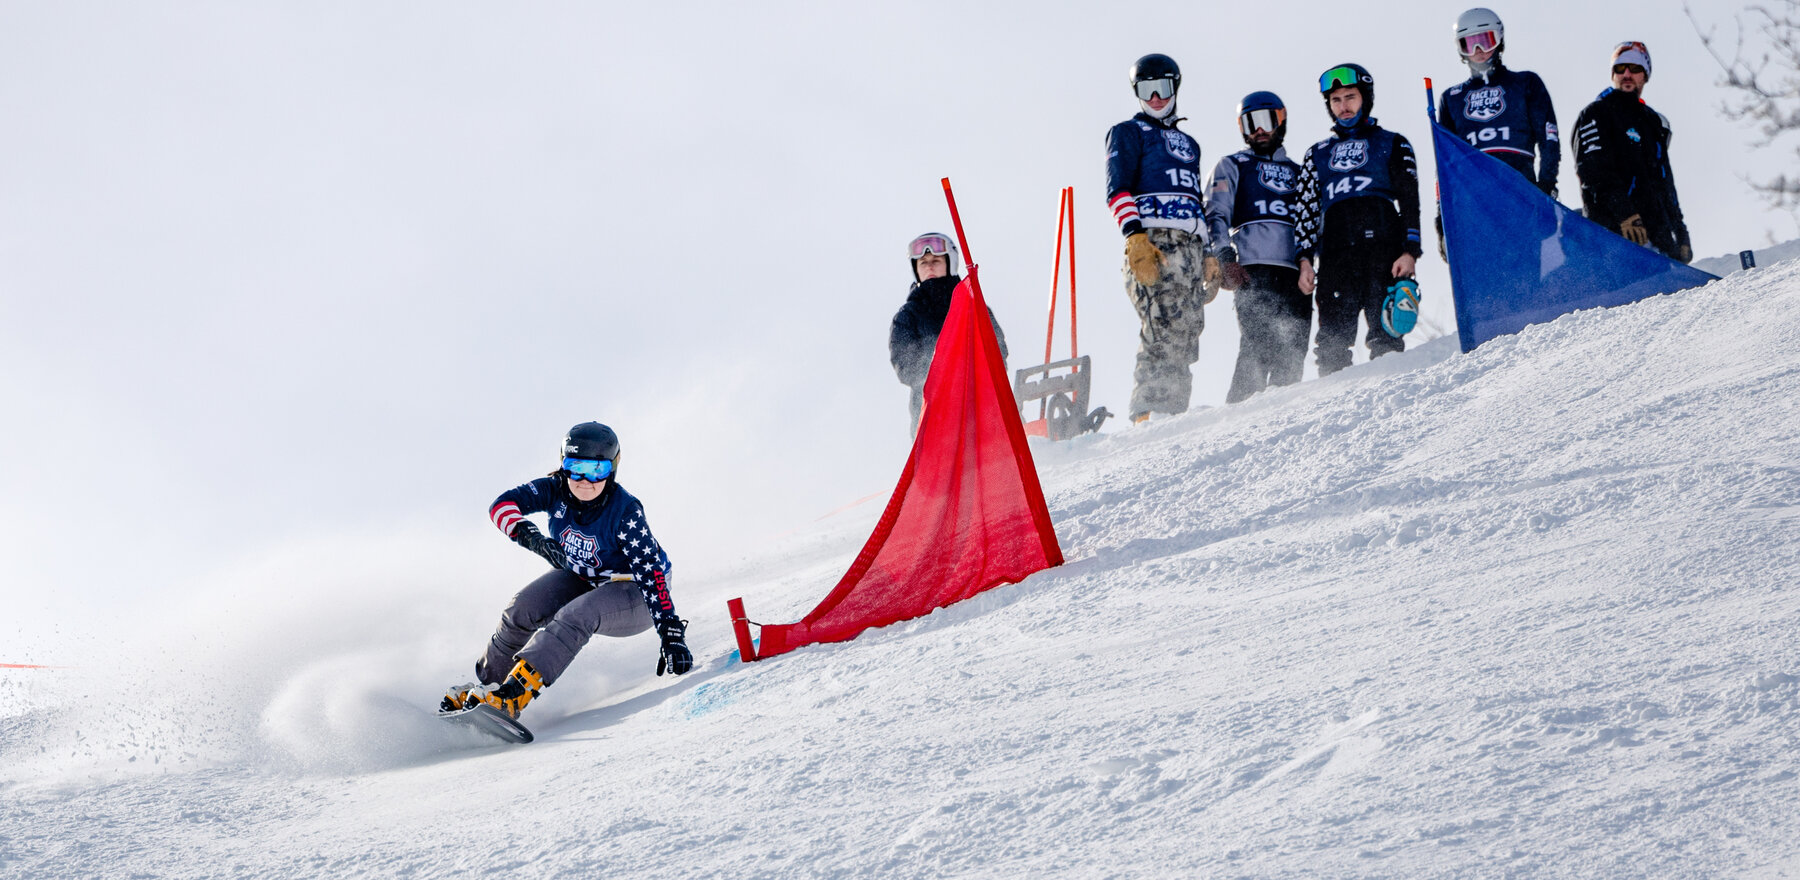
(1762, 73)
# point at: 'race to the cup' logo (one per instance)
(1349, 155)
(1276, 177)
(1180, 145)
(1482, 105)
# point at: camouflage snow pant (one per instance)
(1171, 317)
(550, 621)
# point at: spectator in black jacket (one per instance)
(1357, 217)
(912, 339)
(1622, 158)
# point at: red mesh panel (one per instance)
(968, 513)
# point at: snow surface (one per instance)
(1726, 264)
(1527, 612)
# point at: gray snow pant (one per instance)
(1273, 317)
(1171, 315)
(550, 621)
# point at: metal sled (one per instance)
(1065, 397)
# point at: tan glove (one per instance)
(1685, 253)
(1143, 258)
(1211, 276)
(1633, 229)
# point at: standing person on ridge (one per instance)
(1358, 218)
(1502, 112)
(1249, 211)
(1622, 158)
(596, 529)
(1153, 187)
(912, 338)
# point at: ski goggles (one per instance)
(930, 243)
(1338, 78)
(1485, 41)
(1261, 120)
(587, 469)
(1151, 88)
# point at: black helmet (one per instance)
(1270, 102)
(1156, 66)
(593, 441)
(1348, 76)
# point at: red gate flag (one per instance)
(968, 514)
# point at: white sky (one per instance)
(273, 274)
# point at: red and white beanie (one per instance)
(1632, 52)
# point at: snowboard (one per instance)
(491, 721)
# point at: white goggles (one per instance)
(1485, 41)
(1263, 120)
(1152, 88)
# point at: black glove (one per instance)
(675, 657)
(526, 535)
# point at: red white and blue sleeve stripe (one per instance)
(1125, 213)
(506, 516)
(510, 508)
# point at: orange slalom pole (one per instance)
(1074, 350)
(1062, 208)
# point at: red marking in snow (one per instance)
(27, 666)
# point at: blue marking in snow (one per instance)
(705, 698)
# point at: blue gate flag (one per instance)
(1519, 257)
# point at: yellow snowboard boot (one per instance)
(512, 695)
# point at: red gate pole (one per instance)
(741, 626)
(956, 218)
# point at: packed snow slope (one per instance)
(1526, 612)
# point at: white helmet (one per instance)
(1479, 29)
(934, 243)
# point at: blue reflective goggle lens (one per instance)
(1337, 78)
(588, 469)
(1149, 88)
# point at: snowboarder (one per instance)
(1357, 217)
(1622, 158)
(1504, 113)
(1249, 210)
(1153, 186)
(596, 529)
(912, 338)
